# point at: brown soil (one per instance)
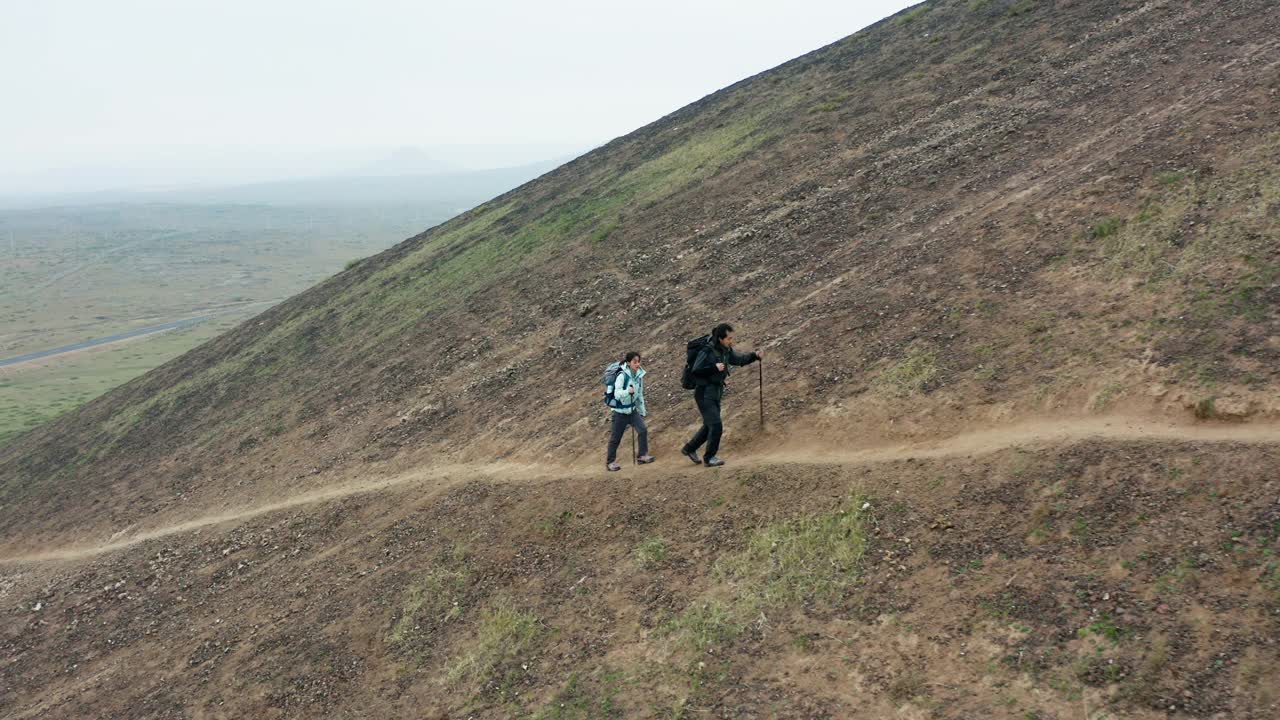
(1016, 269)
(1013, 572)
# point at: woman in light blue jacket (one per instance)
(629, 410)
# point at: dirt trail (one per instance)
(1027, 433)
(1043, 431)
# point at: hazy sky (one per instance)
(182, 84)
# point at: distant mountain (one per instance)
(405, 160)
(461, 187)
(378, 186)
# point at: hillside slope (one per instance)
(976, 206)
(382, 498)
(1130, 575)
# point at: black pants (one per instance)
(620, 423)
(708, 400)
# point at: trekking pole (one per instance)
(633, 445)
(761, 363)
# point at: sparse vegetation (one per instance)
(586, 697)
(913, 14)
(1204, 408)
(1104, 627)
(832, 103)
(603, 233)
(555, 526)
(708, 623)
(1022, 7)
(1270, 579)
(1143, 687)
(434, 600)
(809, 559)
(505, 634)
(1182, 576)
(911, 376)
(1105, 228)
(806, 559)
(907, 685)
(1107, 395)
(651, 552)
(1041, 521)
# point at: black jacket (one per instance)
(704, 366)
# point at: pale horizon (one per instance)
(149, 92)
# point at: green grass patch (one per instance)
(1215, 233)
(1107, 395)
(555, 526)
(653, 551)
(1104, 627)
(1022, 8)
(505, 634)
(708, 624)
(911, 376)
(833, 103)
(1105, 228)
(913, 14)
(1248, 296)
(1270, 581)
(591, 697)
(1205, 408)
(811, 559)
(807, 559)
(434, 600)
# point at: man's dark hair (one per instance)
(630, 356)
(721, 332)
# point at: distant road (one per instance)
(103, 341)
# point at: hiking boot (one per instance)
(713, 462)
(613, 467)
(645, 459)
(692, 455)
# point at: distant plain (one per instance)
(72, 274)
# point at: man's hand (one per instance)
(759, 355)
(720, 367)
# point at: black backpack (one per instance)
(695, 347)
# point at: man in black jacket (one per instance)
(710, 369)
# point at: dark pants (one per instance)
(708, 399)
(620, 423)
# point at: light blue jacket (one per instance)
(622, 394)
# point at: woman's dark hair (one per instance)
(722, 331)
(630, 356)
